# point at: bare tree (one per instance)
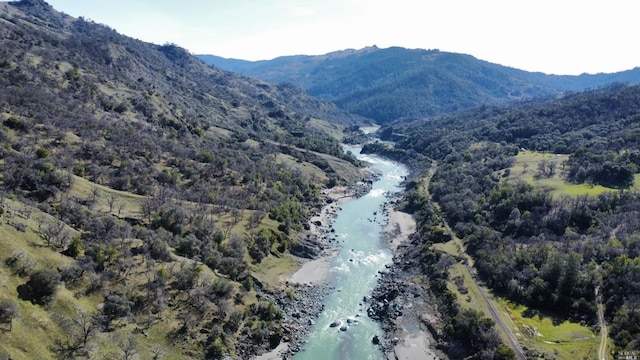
(21, 263)
(546, 169)
(8, 311)
(187, 320)
(157, 352)
(112, 199)
(149, 207)
(256, 218)
(54, 233)
(128, 346)
(94, 196)
(79, 331)
(238, 215)
(85, 325)
(121, 207)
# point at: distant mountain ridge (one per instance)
(391, 83)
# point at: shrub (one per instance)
(74, 248)
(42, 153)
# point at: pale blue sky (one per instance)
(552, 36)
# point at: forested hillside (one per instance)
(562, 252)
(392, 83)
(143, 194)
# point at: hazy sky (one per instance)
(552, 36)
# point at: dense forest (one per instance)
(141, 190)
(558, 253)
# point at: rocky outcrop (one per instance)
(400, 302)
(307, 248)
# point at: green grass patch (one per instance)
(343, 168)
(525, 168)
(450, 247)
(548, 334)
(254, 144)
(126, 204)
(561, 187)
(33, 331)
(272, 269)
(220, 132)
(334, 130)
(31, 334)
(308, 170)
(72, 138)
(468, 293)
(12, 239)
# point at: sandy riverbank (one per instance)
(400, 226)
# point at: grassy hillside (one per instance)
(143, 193)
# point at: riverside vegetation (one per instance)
(150, 202)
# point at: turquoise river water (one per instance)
(358, 227)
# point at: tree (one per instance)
(255, 219)
(41, 287)
(21, 263)
(504, 353)
(260, 246)
(233, 263)
(54, 233)
(79, 331)
(477, 331)
(8, 311)
(94, 196)
(74, 248)
(235, 320)
(128, 346)
(216, 349)
(115, 306)
(112, 199)
(546, 169)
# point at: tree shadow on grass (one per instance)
(556, 319)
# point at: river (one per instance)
(343, 330)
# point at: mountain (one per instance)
(148, 202)
(391, 83)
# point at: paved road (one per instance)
(500, 322)
(602, 351)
